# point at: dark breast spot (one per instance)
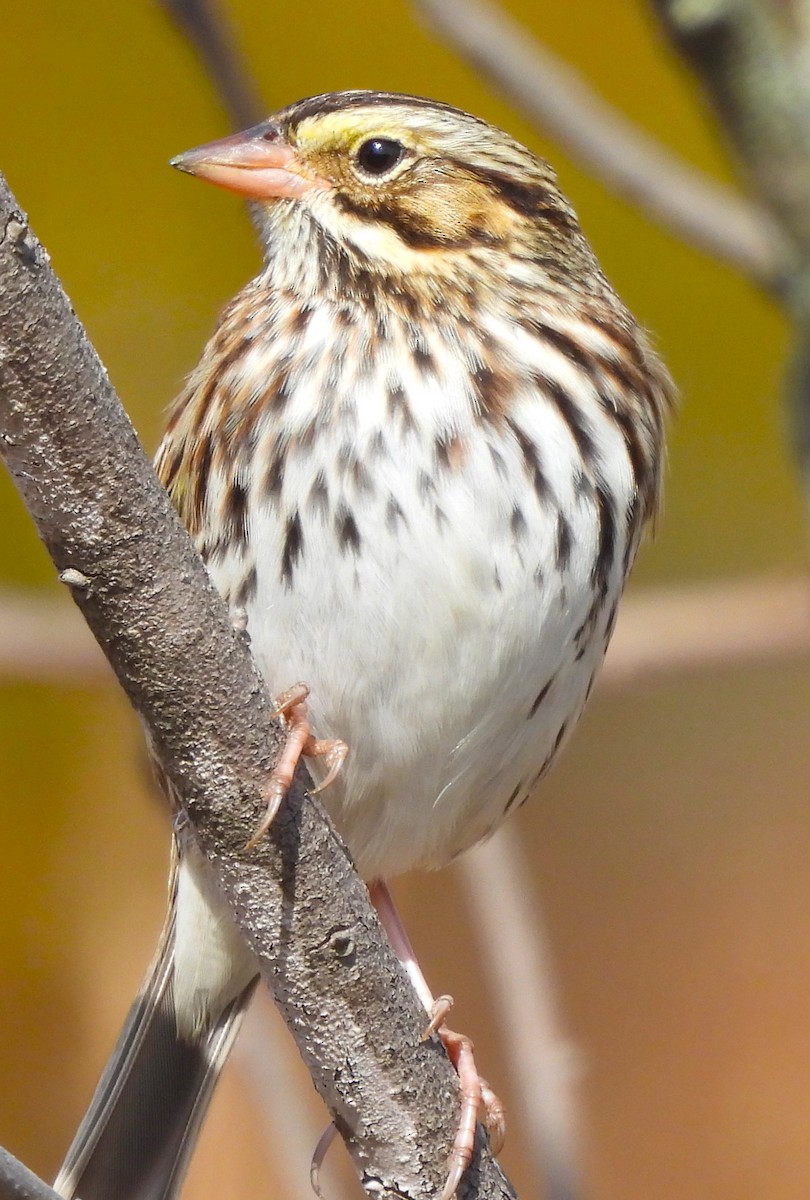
(498, 463)
(394, 514)
(492, 390)
(279, 388)
(292, 549)
(378, 447)
(274, 479)
(517, 523)
(451, 452)
(636, 451)
(568, 346)
(539, 698)
(426, 485)
(361, 477)
(246, 589)
(399, 407)
(531, 458)
(422, 354)
(347, 531)
(572, 416)
(318, 499)
(300, 318)
(564, 543)
(235, 514)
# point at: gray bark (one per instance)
(119, 546)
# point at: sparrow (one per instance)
(418, 454)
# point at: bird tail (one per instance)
(137, 1137)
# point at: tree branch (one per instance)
(751, 58)
(131, 568)
(18, 1183)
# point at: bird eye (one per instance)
(377, 156)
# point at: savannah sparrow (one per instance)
(418, 454)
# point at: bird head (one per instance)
(401, 182)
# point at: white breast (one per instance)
(439, 595)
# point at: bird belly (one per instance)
(445, 638)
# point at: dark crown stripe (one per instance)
(331, 102)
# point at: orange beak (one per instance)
(257, 163)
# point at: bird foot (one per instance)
(291, 706)
(477, 1100)
(477, 1097)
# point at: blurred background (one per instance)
(669, 850)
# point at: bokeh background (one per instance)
(669, 850)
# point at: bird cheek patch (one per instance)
(457, 211)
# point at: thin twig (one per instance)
(205, 26)
(552, 94)
(506, 916)
(118, 545)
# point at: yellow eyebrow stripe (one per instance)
(336, 130)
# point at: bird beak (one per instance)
(258, 164)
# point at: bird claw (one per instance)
(291, 705)
(319, 1154)
(273, 793)
(439, 1011)
(333, 752)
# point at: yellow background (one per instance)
(670, 847)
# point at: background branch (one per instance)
(508, 920)
(661, 633)
(750, 56)
(603, 142)
(118, 544)
(203, 23)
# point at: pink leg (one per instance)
(292, 705)
(476, 1094)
